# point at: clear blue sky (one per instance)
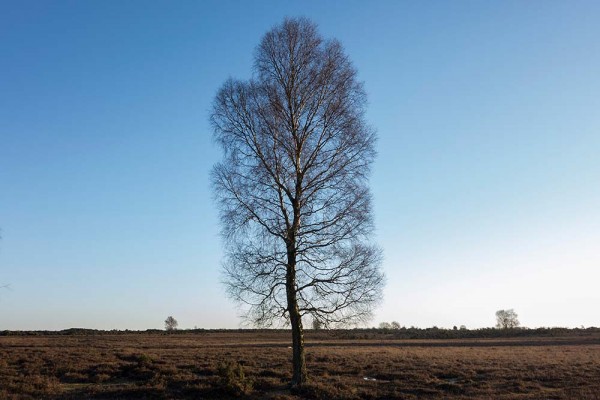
(486, 188)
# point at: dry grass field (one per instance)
(256, 364)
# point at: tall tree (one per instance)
(292, 187)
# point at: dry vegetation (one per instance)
(256, 364)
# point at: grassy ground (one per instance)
(257, 365)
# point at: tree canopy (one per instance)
(292, 187)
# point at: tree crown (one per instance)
(292, 187)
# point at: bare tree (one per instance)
(385, 326)
(171, 324)
(395, 325)
(506, 319)
(292, 188)
(316, 324)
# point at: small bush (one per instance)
(144, 360)
(234, 379)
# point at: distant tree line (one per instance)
(357, 333)
(441, 333)
(505, 319)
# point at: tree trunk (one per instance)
(299, 374)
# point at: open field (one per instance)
(194, 365)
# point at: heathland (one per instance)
(346, 364)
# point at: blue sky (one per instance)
(486, 188)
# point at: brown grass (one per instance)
(190, 366)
